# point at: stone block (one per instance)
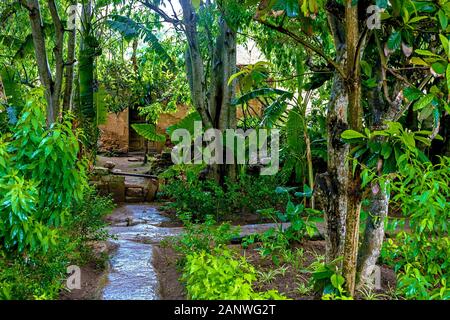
(151, 188)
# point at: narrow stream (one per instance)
(132, 276)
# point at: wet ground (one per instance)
(136, 229)
(132, 276)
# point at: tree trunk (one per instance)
(194, 63)
(222, 94)
(87, 54)
(331, 187)
(40, 51)
(213, 105)
(355, 117)
(69, 76)
(373, 235)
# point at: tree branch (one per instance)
(306, 44)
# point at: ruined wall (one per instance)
(114, 135)
(166, 120)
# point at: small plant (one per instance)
(303, 289)
(293, 257)
(268, 276)
(204, 236)
(220, 275)
(327, 281)
(296, 223)
(420, 257)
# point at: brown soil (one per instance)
(92, 279)
(93, 274)
(164, 261)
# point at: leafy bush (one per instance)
(219, 275)
(87, 224)
(35, 276)
(203, 236)
(302, 223)
(202, 198)
(47, 211)
(420, 257)
(41, 180)
(42, 276)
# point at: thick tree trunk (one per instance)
(52, 86)
(194, 63)
(222, 94)
(87, 54)
(58, 51)
(213, 105)
(331, 187)
(373, 236)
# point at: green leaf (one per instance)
(196, 4)
(419, 61)
(337, 280)
(445, 44)
(426, 53)
(185, 123)
(438, 67)
(412, 93)
(148, 131)
(443, 20)
(447, 75)
(394, 41)
(263, 92)
(130, 29)
(423, 102)
(352, 134)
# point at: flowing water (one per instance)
(132, 276)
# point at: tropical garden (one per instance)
(355, 93)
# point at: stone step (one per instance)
(134, 199)
(135, 192)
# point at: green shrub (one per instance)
(220, 275)
(421, 256)
(246, 195)
(41, 276)
(203, 236)
(41, 180)
(47, 212)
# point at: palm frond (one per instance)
(262, 92)
(131, 29)
(148, 131)
(273, 113)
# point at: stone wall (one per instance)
(114, 134)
